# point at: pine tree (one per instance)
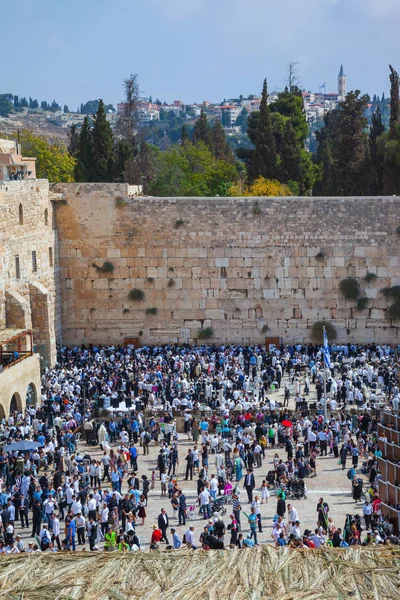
(103, 147)
(184, 136)
(264, 156)
(84, 154)
(377, 160)
(202, 131)
(290, 166)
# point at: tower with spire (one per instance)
(341, 82)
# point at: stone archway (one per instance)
(2, 412)
(42, 323)
(18, 311)
(31, 395)
(16, 403)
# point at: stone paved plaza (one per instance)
(331, 483)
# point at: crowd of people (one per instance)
(126, 401)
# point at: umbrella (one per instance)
(24, 446)
(287, 423)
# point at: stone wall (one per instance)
(27, 224)
(249, 268)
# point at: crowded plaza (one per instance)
(172, 448)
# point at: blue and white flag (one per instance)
(327, 356)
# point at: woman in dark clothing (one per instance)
(343, 457)
(281, 504)
(357, 488)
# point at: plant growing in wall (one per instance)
(205, 334)
(317, 331)
(362, 303)
(136, 295)
(107, 267)
(171, 269)
(394, 311)
(369, 277)
(320, 256)
(398, 230)
(350, 288)
(171, 283)
(120, 202)
(392, 292)
(179, 223)
(125, 311)
(151, 311)
(150, 279)
(256, 209)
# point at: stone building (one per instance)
(29, 280)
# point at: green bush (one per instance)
(391, 292)
(107, 267)
(320, 256)
(151, 311)
(362, 303)
(120, 202)
(179, 223)
(370, 277)
(350, 288)
(317, 331)
(136, 295)
(171, 283)
(394, 311)
(206, 333)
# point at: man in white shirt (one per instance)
(292, 514)
(296, 530)
(204, 500)
(56, 530)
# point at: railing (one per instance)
(391, 419)
(392, 515)
(392, 435)
(390, 451)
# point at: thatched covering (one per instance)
(263, 573)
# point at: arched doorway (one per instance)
(15, 403)
(31, 397)
(2, 412)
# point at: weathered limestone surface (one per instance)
(247, 273)
(33, 300)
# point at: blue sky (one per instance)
(193, 50)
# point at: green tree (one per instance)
(53, 162)
(377, 159)
(5, 105)
(389, 143)
(290, 163)
(220, 149)
(84, 153)
(394, 103)
(73, 140)
(102, 147)
(184, 136)
(202, 131)
(291, 105)
(346, 149)
(190, 170)
(123, 154)
(264, 156)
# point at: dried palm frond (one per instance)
(261, 573)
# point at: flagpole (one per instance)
(325, 403)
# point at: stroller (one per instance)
(297, 489)
(218, 506)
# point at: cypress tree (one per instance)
(184, 136)
(73, 140)
(377, 160)
(103, 146)
(219, 141)
(264, 156)
(84, 153)
(290, 166)
(202, 131)
(394, 102)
